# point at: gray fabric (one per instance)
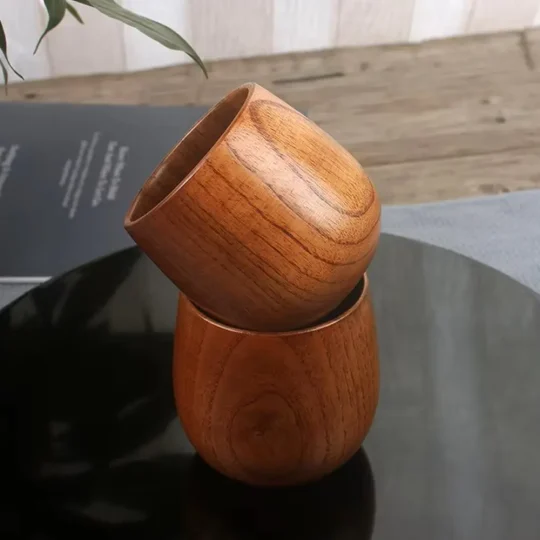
(502, 231)
(12, 291)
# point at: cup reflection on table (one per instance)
(341, 505)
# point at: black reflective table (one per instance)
(91, 446)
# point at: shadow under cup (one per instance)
(277, 408)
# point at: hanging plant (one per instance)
(56, 10)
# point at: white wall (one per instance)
(238, 28)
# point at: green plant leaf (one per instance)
(56, 10)
(6, 77)
(74, 12)
(3, 48)
(157, 31)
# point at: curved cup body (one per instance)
(277, 408)
(258, 216)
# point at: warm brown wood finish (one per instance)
(258, 216)
(275, 409)
(441, 109)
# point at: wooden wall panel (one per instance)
(303, 25)
(231, 28)
(243, 28)
(144, 53)
(368, 22)
(536, 21)
(23, 25)
(435, 19)
(495, 15)
(97, 46)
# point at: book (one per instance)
(68, 174)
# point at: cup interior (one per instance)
(349, 304)
(346, 305)
(185, 157)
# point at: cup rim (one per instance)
(304, 330)
(128, 221)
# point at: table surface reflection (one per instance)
(90, 445)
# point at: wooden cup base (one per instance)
(277, 408)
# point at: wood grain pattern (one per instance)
(239, 28)
(258, 216)
(445, 124)
(411, 104)
(276, 409)
(368, 22)
(502, 171)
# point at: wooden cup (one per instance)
(277, 408)
(258, 216)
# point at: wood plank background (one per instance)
(439, 120)
(244, 28)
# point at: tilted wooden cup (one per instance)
(277, 408)
(258, 216)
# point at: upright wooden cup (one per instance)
(258, 216)
(277, 408)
